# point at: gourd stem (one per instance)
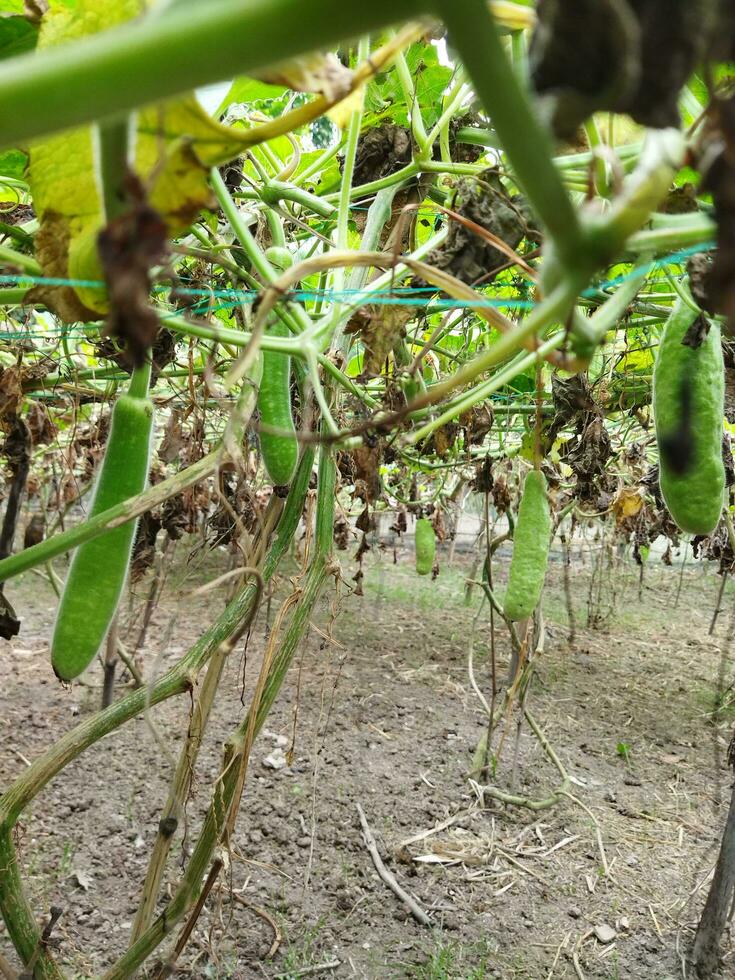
(114, 142)
(140, 379)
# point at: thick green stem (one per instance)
(554, 308)
(341, 237)
(276, 191)
(181, 782)
(523, 138)
(19, 919)
(176, 681)
(199, 43)
(695, 229)
(483, 391)
(9, 256)
(663, 154)
(13, 296)
(297, 317)
(372, 187)
(114, 141)
(16, 912)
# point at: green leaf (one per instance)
(384, 96)
(13, 164)
(17, 36)
(328, 174)
(249, 90)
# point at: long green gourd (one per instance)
(424, 545)
(278, 443)
(99, 568)
(531, 539)
(688, 409)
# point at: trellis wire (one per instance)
(420, 297)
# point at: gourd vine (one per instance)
(290, 287)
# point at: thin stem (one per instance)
(113, 517)
(139, 380)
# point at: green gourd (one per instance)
(99, 568)
(279, 257)
(688, 408)
(425, 545)
(278, 443)
(531, 539)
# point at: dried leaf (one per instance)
(34, 531)
(174, 438)
(321, 74)
(465, 254)
(382, 151)
(477, 423)
(366, 459)
(627, 503)
(9, 622)
(42, 429)
(11, 392)
(379, 328)
(83, 879)
(630, 56)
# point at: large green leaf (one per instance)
(13, 164)
(251, 91)
(430, 79)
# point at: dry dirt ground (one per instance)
(382, 714)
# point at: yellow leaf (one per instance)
(640, 361)
(514, 16)
(627, 503)
(322, 74)
(176, 144)
(341, 113)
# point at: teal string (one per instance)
(422, 297)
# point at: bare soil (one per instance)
(379, 712)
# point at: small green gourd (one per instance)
(279, 446)
(688, 408)
(531, 539)
(279, 256)
(99, 568)
(425, 546)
